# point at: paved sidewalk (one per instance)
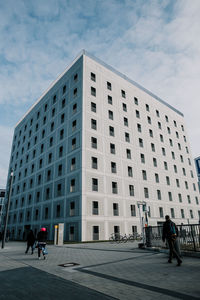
(103, 271)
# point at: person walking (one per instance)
(42, 239)
(30, 241)
(170, 233)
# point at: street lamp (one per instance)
(7, 209)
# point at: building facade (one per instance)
(93, 148)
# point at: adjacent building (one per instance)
(197, 164)
(92, 149)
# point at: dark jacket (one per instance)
(42, 236)
(30, 238)
(166, 230)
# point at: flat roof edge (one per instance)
(51, 85)
(131, 81)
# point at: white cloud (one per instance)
(156, 43)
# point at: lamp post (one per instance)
(7, 209)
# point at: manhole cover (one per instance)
(69, 264)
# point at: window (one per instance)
(73, 125)
(156, 178)
(175, 169)
(74, 108)
(159, 125)
(114, 188)
(188, 198)
(48, 175)
(150, 133)
(60, 169)
(177, 182)
(157, 113)
(163, 152)
(111, 131)
(191, 214)
(93, 124)
(146, 193)
(130, 171)
(173, 155)
(161, 212)
(168, 130)
(170, 196)
(128, 153)
(95, 207)
(186, 185)
(159, 195)
(166, 119)
(112, 148)
(115, 209)
(47, 193)
(75, 92)
(63, 103)
(154, 162)
(137, 113)
(144, 175)
(64, 89)
(94, 161)
(72, 185)
(93, 91)
(43, 133)
(53, 112)
(139, 127)
(167, 180)
(62, 118)
(148, 119)
(94, 142)
(75, 77)
(194, 186)
(58, 211)
(73, 164)
(73, 143)
(59, 189)
(180, 198)
(93, 107)
(50, 158)
(133, 210)
(125, 121)
(177, 135)
(127, 137)
(40, 163)
(95, 184)
(110, 115)
(61, 151)
(46, 213)
(95, 233)
(109, 100)
(147, 107)
(93, 77)
(123, 93)
(51, 142)
(113, 167)
(52, 126)
(54, 99)
(44, 120)
(184, 173)
(172, 213)
(124, 107)
(109, 86)
(171, 142)
(182, 127)
(142, 158)
(153, 147)
(72, 209)
(136, 101)
(140, 142)
(61, 134)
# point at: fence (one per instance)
(188, 237)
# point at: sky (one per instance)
(154, 42)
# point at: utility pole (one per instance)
(7, 209)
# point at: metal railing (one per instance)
(188, 237)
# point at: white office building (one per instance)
(94, 148)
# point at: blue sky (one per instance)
(155, 43)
